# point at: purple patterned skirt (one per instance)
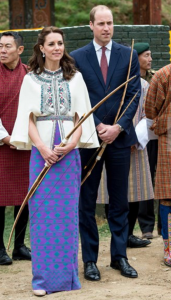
(54, 223)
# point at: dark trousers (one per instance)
(146, 216)
(132, 216)
(20, 227)
(117, 163)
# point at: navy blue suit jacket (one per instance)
(87, 63)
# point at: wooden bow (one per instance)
(62, 144)
(99, 152)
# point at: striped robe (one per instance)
(139, 184)
(158, 107)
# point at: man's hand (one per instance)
(108, 133)
(6, 141)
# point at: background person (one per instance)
(158, 108)
(146, 215)
(140, 186)
(14, 165)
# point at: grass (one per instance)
(9, 220)
(76, 13)
(104, 231)
(4, 15)
(103, 228)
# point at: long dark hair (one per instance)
(37, 62)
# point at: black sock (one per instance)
(21, 226)
(2, 226)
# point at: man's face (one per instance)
(145, 60)
(9, 53)
(102, 27)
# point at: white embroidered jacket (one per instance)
(48, 95)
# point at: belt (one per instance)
(55, 118)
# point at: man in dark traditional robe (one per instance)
(14, 165)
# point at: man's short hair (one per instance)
(17, 37)
(95, 8)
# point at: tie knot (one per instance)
(103, 49)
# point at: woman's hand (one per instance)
(49, 155)
(62, 151)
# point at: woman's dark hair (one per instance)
(37, 61)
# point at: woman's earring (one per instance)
(43, 54)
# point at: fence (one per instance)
(158, 36)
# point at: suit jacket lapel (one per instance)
(114, 58)
(92, 58)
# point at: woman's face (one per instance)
(53, 47)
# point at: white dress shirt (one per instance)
(3, 133)
(98, 50)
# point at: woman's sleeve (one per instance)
(81, 105)
(20, 137)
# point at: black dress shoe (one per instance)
(91, 271)
(124, 267)
(4, 258)
(22, 253)
(135, 242)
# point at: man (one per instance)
(104, 66)
(146, 216)
(158, 108)
(145, 60)
(14, 170)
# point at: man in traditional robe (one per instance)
(104, 66)
(158, 108)
(146, 216)
(14, 165)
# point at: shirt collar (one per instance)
(98, 47)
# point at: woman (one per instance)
(52, 99)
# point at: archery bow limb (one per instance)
(103, 145)
(62, 144)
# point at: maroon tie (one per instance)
(104, 65)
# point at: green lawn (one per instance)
(9, 220)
